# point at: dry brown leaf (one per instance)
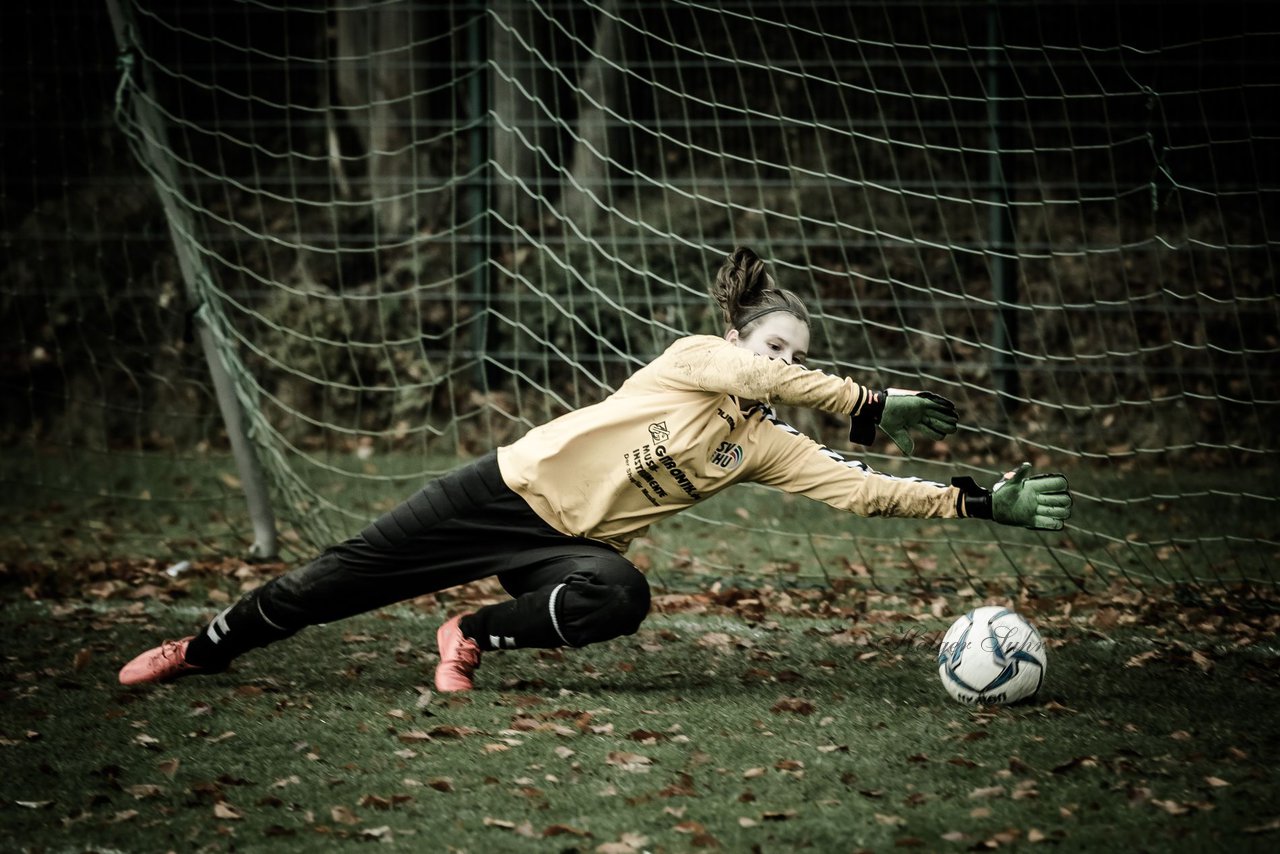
(144, 790)
(1141, 659)
(1265, 827)
(222, 809)
(795, 705)
(627, 761)
(344, 815)
(565, 830)
(986, 792)
(1172, 807)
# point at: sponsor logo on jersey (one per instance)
(727, 456)
(659, 432)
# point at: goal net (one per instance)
(409, 231)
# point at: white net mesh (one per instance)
(420, 228)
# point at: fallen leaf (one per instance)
(986, 792)
(499, 823)
(222, 809)
(890, 820)
(343, 815)
(627, 761)
(565, 830)
(144, 790)
(1216, 782)
(1172, 807)
(1077, 762)
(795, 705)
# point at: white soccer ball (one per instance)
(991, 656)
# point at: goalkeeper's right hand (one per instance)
(1041, 502)
(896, 410)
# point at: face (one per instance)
(778, 335)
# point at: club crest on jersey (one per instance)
(728, 456)
(659, 432)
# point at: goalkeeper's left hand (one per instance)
(1041, 502)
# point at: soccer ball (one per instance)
(991, 656)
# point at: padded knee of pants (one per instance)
(590, 608)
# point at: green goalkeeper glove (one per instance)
(1041, 502)
(897, 410)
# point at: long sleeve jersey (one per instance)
(674, 434)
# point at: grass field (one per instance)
(783, 695)
(766, 721)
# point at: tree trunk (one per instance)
(375, 69)
(523, 134)
(587, 192)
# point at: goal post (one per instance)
(414, 230)
(153, 151)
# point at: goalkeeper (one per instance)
(551, 514)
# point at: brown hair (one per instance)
(745, 292)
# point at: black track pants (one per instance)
(465, 526)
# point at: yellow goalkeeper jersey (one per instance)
(675, 434)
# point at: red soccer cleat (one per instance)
(165, 662)
(459, 658)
